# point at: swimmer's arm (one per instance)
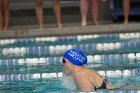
(83, 83)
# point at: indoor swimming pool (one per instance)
(32, 65)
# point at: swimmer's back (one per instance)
(97, 80)
(94, 77)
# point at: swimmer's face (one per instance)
(66, 67)
(63, 61)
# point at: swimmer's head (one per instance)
(76, 57)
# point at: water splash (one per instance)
(68, 82)
(132, 82)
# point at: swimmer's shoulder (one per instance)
(82, 82)
(93, 72)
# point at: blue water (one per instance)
(55, 85)
(32, 65)
(23, 82)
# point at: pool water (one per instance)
(50, 85)
(32, 65)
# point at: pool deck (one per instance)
(24, 32)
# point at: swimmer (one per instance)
(85, 79)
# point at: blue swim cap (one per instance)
(76, 57)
